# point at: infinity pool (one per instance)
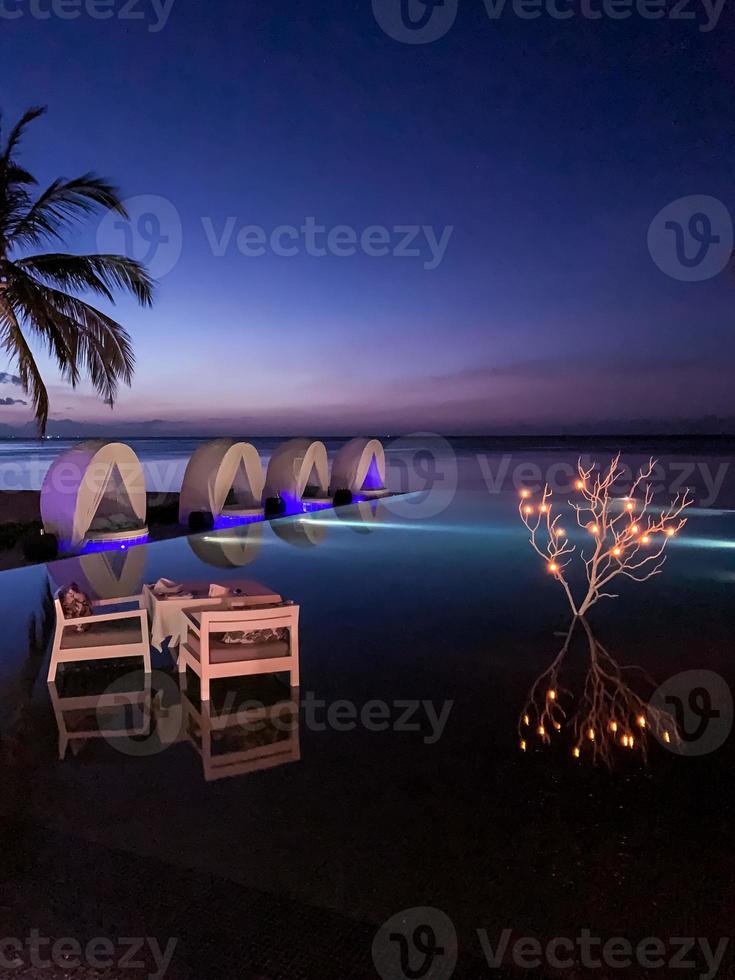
(444, 620)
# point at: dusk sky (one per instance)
(536, 153)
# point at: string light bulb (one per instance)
(670, 532)
(591, 734)
(646, 539)
(528, 509)
(667, 738)
(523, 745)
(579, 484)
(541, 730)
(576, 751)
(617, 552)
(641, 721)
(634, 529)
(613, 726)
(551, 695)
(526, 720)
(525, 494)
(553, 567)
(594, 529)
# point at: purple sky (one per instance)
(547, 147)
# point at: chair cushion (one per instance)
(236, 653)
(116, 632)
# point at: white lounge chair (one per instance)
(210, 658)
(106, 636)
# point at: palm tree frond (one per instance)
(15, 344)
(16, 132)
(98, 273)
(62, 204)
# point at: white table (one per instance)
(167, 616)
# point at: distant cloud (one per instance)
(12, 401)
(9, 379)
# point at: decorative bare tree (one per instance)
(609, 714)
(630, 534)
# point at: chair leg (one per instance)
(294, 644)
(205, 687)
(147, 660)
(53, 666)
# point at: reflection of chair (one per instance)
(228, 549)
(211, 658)
(242, 740)
(105, 636)
(359, 467)
(85, 715)
(225, 478)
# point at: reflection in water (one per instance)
(238, 547)
(85, 712)
(242, 738)
(252, 725)
(103, 575)
(597, 715)
(300, 533)
(16, 722)
(362, 515)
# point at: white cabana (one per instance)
(359, 467)
(297, 469)
(224, 477)
(94, 491)
(229, 549)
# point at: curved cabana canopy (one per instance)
(224, 477)
(104, 574)
(94, 491)
(359, 467)
(297, 469)
(229, 549)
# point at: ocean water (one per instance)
(426, 462)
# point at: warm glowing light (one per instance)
(617, 552)
(646, 539)
(580, 484)
(634, 529)
(559, 532)
(551, 695)
(591, 734)
(544, 508)
(629, 505)
(613, 726)
(670, 532)
(526, 720)
(528, 509)
(641, 721)
(553, 567)
(541, 730)
(557, 726)
(667, 737)
(525, 494)
(523, 746)
(594, 529)
(575, 752)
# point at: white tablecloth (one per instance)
(166, 615)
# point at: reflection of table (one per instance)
(167, 613)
